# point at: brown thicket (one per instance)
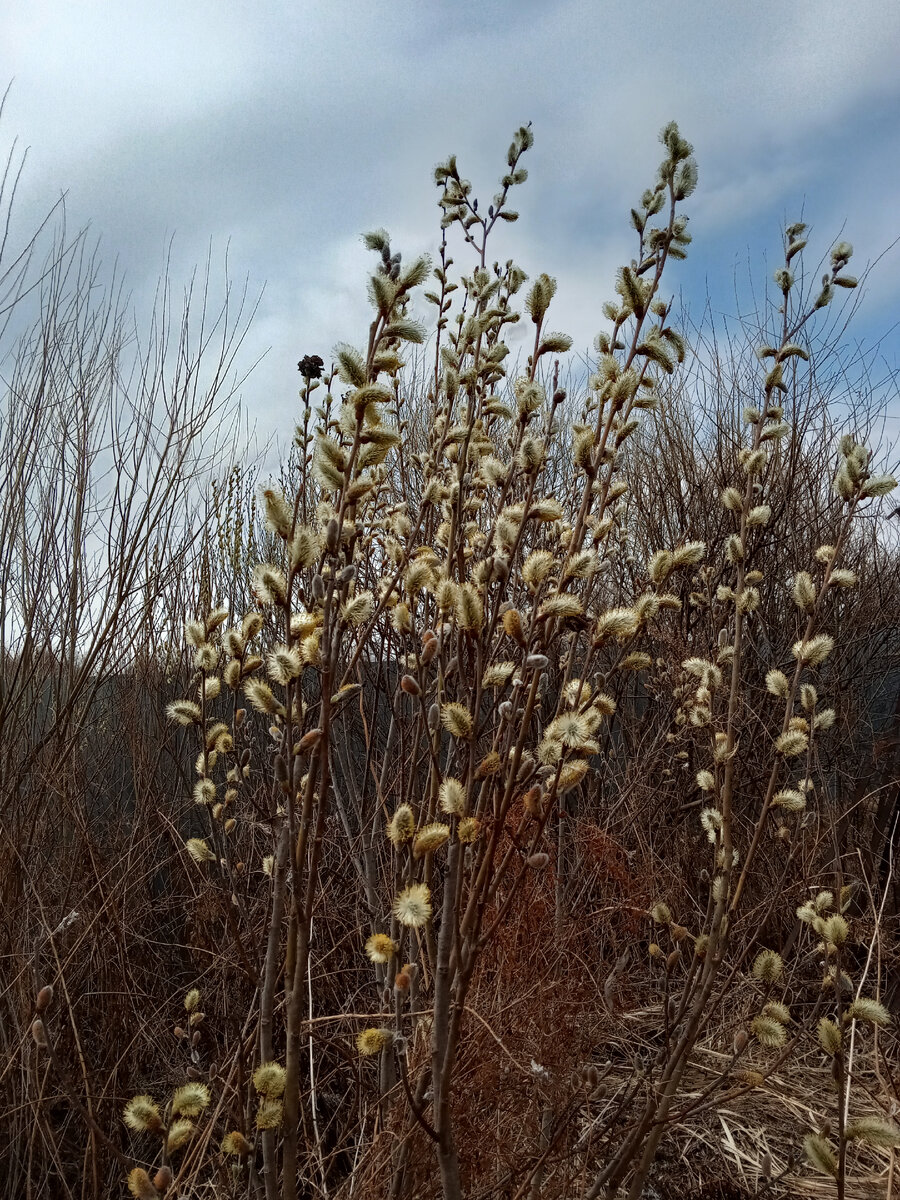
(521, 791)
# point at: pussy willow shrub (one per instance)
(491, 672)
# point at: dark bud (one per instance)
(525, 772)
(332, 535)
(44, 998)
(309, 741)
(163, 1179)
(532, 801)
(310, 366)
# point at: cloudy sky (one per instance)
(283, 130)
